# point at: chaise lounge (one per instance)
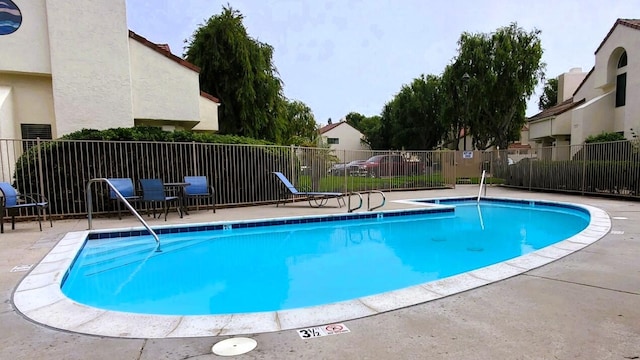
(315, 198)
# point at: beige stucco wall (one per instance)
(568, 83)
(162, 88)
(90, 65)
(32, 102)
(539, 129)
(27, 49)
(627, 39)
(592, 118)
(7, 152)
(208, 115)
(7, 127)
(350, 139)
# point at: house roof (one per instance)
(556, 109)
(326, 128)
(632, 23)
(209, 96)
(518, 145)
(164, 50)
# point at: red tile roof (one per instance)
(210, 97)
(556, 110)
(632, 23)
(326, 128)
(164, 47)
(161, 50)
(518, 146)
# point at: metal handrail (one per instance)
(481, 185)
(384, 200)
(126, 203)
(349, 202)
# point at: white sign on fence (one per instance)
(467, 154)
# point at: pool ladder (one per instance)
(482, 185)
(369, 208)
(126, 203)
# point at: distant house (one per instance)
(342, 136)
(65, 66)
(601, 101)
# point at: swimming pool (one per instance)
(412, 293)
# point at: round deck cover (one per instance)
(234, 346)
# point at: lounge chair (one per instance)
(13, 201)
(125, 188)
(198, 189)
(153, 193)
(315, 198)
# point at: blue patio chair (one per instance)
(319, 198)
(125, 188)
(12, 202)
(199, 189)
(153, 193)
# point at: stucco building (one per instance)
(65, 66)
(342, 136)
(601, 100)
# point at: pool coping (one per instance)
(38, 296)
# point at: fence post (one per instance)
(346, 176)
(195, 160)
(531, 171)
(40, 175)
(584, 167)
(292, 161)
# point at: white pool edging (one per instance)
(39, 296)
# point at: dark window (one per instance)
(30, 132)
(621, 89)
(334, 141)
(622, 62)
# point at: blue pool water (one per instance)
(275, 266)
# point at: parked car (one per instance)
(391, 165)
(352, 168)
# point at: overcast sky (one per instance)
(355, 55)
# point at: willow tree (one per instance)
(504, 68)
(239, 71)
(301, 128)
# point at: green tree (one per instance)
(301, 126)
(412, 119)
(370, 127)
(549, 97)
(455, 104)
(504, 68)
(354, 119)
(239, 71)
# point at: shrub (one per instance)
(69, 163)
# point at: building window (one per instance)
(621, 87)
(621, 81)
(333, 141)
(30, 132)
(622, 62)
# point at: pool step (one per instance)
(114, 255)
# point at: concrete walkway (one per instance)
(583, 306)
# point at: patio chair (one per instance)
(319, 198)
(12, 202)
(125, 188)
(153, 193)
(198, 189)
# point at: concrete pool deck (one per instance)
(585, 305)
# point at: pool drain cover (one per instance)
(234, 346)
